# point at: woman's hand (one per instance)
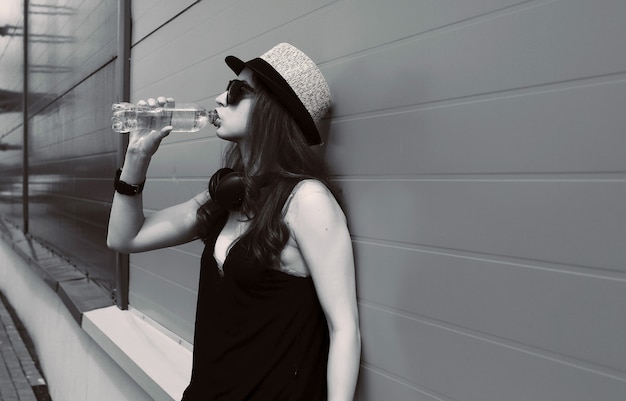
(145, 142)
(129, 230)
(142, 144)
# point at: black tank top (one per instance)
(260, 333)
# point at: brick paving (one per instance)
(20, 378)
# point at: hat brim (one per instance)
(283, 92)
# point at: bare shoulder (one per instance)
(311, 202)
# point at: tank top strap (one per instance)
(295, 186)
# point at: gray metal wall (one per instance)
(72, 152)
(11, 118)
(480, 146)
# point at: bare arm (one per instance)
(129, 230)
(322, 235)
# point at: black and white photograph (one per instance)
(313, 200)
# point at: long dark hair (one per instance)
(279, 157)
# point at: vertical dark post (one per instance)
(123, 95)
(25, 171)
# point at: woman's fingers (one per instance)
(162, 101)
(165, 131)
(158, 102)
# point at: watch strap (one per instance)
(125, 188)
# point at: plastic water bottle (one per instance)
(185, 117)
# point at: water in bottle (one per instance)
(184, 117)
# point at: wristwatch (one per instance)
(125, 188)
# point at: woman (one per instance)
(277, 315)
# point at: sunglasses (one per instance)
(235, 88)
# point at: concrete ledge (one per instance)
(81, 296)
(59, 341)
(77, 292)
(157, 363)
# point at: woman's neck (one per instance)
(244, 150)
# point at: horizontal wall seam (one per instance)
(71, 88)
(162, 278)
(456, 25)
(529, 263)
(498, 95)
(164, 23)
(582, 177)
(405, 383)
(502, 342)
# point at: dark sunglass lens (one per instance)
(234, 90)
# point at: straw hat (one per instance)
(297, 83)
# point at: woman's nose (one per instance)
(222, 99)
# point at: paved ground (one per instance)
(20, 376)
